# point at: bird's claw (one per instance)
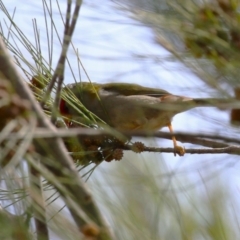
(179, 150)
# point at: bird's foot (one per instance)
(179, 150)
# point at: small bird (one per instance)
(128, 107)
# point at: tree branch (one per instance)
(194, 138)
(234, 150)
(38, 204)
(198, 139)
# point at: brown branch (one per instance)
(215, 146)
(57, 151)
(194, 138)
(203, 142)
(235, 150)
(38, 205)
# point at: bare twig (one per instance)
(194, 138)
(234, 150)
(39, 205)
(198, 139)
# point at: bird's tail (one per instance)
(223, 103)
(181, 104)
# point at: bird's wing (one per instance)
(128, 89)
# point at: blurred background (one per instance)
(146, 195)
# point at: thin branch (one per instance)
(38, 205)
(61, 63)
(234, 150)
(215, 146)
(194, 138)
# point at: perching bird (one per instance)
(128, 107)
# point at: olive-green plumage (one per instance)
(127, 106)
